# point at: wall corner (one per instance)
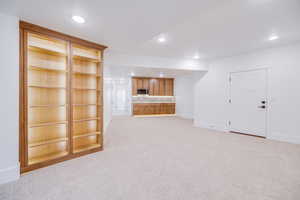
(10, 174)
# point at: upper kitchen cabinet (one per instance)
(169, 87)
(153, 86)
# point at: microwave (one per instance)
(142, 91)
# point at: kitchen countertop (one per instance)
(153, 99)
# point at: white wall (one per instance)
(107, 97)
(9, 101)
(283, 63)
(184, 93)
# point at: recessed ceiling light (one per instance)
(78, 19)
(161, 39)
(273, 37)
(196, 56)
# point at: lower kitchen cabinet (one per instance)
(153, 108)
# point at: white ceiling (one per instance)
(213, 28)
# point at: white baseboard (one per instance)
(271, 136)
(210, 126)
(121, 114)
(185, 115)
(10, 174)
(283, 138)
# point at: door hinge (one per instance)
(229, 100)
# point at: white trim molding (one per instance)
(283, 138)
(185, 115)
(210, 126)
(10, 174)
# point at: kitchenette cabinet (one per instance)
(153, 108)
(155, 86)
(153, 96)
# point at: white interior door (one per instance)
(248, 107)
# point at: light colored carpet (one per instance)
(168, 159)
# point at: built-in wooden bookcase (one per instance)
(61, 106)
(87, 98)
(47, 84)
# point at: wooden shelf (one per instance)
(47, 51)
(86, 89)
(86, 135)
(91, 104)
(46, 87)
(85, 58)
(48, 106)
(47, 157)
(47, 142)
(46, 124)
(86, 147)
(36, 68)
(87, 119)
(85, 73)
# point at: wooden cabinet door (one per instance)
(172, 87)
(168, 108)
(146, 83)
(162, 108)
(134, 110)
(159, 108)
(169, 87)
(134, 86)
(137, 109)
(156, 108)
(151, 108)
(156, 87)
(151, 86)
(142, 109)
(173, 108)
(146, 110)
(161, 87)
(139, 83)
